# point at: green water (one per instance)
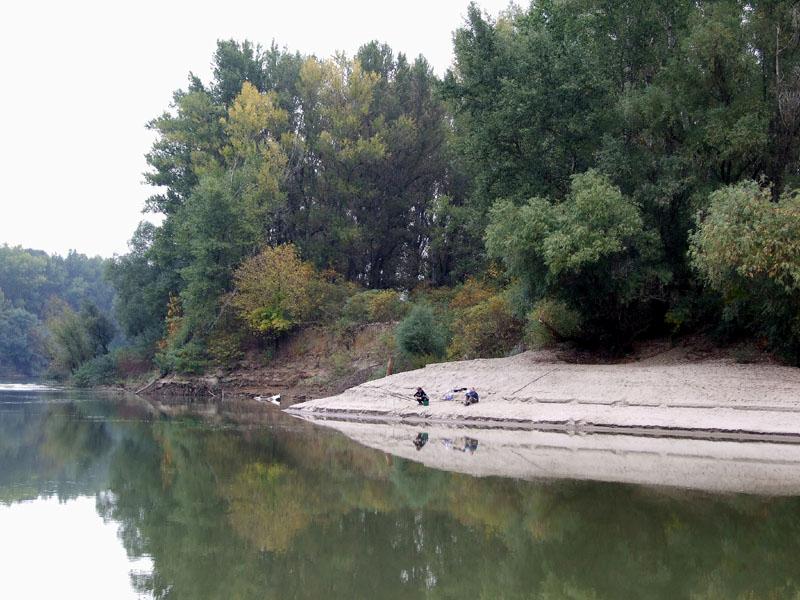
(198, 507)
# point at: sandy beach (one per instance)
(662, 395)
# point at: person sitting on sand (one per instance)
(421, 397)
(471, 397)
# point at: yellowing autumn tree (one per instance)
(275, 290)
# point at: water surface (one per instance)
(101, 496)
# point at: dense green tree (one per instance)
(31, 278)
(143, 280)
(373, 168)
(421, 333)
(671, 99)
(747, 248)
(77, 337)
(592, 251)
(21, 343)
(32, 285)
(347, 159)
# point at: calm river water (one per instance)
(100, 497)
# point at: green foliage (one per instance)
(178, 351)
(274, 291)
(591, 251)
(553, 90)
(747, 248)
(21, 341)
(551, 321)
(488, 329)
(31, 278)
(379, 172)
(101, 370)
(228, 340)
(421, 333)
(143, 279)
(32, 283)
(745, 237)
(189, 358)
(347, 159)
(76, 338)
(374, 306)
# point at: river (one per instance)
(103, 497)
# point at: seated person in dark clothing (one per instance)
(471, 397)
(421, 397)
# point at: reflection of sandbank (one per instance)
(717, 466)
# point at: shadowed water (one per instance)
(200, 507)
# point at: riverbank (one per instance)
(668, 394)
(314, 363)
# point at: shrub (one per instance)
(77, 337)
(225, 348)
(488, 329)
(274, 290)
(745, 238)
(101, 370)
(550, 321)
(190, 358)
(747, 248)
(228, 338)
(593, 249)
(177, 352)
(374, 306)
(470, 293)
(355, 308)
(385, 305)
(341, 363)
(331, 293)
(421, 333)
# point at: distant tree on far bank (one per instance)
(32, 283)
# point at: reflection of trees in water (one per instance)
(268, 513)
(51, 449)
(284, 515)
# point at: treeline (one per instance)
(349, 160)
(586, 171)
(55, 312)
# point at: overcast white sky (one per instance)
(81, 78)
